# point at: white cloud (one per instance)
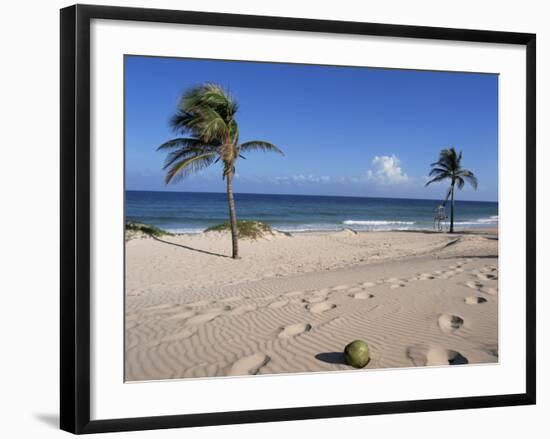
(301, 178)
(387, 169)
(384, 170)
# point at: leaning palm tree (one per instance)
(448, 167)
(205, 114)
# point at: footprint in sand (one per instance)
(392, 280)
(474, 285)
(425, 276)
(294, 293)
(368, 284)
(450, 323)
(474, 300)
(293, 330)
(249, 365)
(202, 318)
(157, 307)
(489, 268)
(199, 303)
(182, 315)
(318, 308)
(398, 285)
(362, 295)
(492, 349)
(315, 299)
(322, 292)
(435, 356)
(218, 309)
(490, 291)
(278, 304)
(487, 276)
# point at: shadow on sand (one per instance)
(489, 234)
(190, 248)
(331, 357)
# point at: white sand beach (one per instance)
(292, 303)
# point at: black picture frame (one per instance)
(75, 217)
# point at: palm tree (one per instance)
(449, 167)
(205, 114)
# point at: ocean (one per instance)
(192, 212)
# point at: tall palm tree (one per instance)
(448, 167)
(205, 114)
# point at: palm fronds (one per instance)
(259, 145)
(449, 167)
(182, 168)
(205, 117)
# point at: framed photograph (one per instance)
(268, 218)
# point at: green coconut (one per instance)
(357, 354)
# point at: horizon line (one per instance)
(304, 195)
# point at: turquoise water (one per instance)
(192, 212)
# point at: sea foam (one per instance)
(376, 223)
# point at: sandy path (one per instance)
(188, 262)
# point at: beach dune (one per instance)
(293, 302)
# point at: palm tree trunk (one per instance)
(452, 229)
(232, 216)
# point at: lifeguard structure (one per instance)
(439, 217)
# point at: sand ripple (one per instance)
(419, 312)
(249, 365)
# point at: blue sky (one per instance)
(344, 130)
